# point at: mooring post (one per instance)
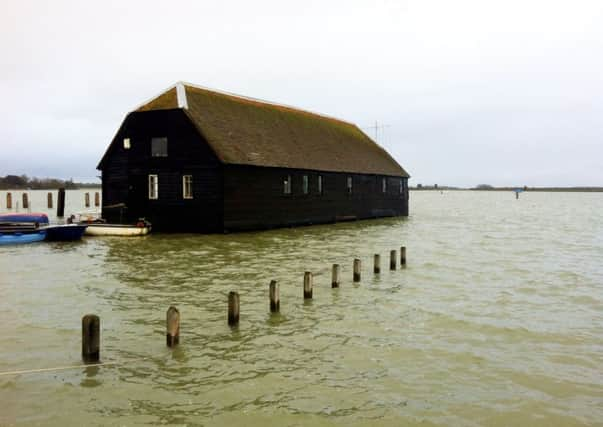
(90, 338)
(61, 203)
(49, 200)
(402, 256)
(335, 276)
(25, 201)
(9, 201)
(87, 200)
(96, 199)
(377, 264)
(308, 285)
(233, 308)
(275, 300)
(172, 322)
(357, 268)
(392, 260)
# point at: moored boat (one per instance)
(16, 238)
(142, 228)
(64, 232)
(17, 229)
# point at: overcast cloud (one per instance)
(472, 91)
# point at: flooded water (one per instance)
(497, 320)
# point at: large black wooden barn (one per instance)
(198, 160)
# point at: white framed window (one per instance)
(153, 187)
(319, 184)
(159, 147)
(287, 185)
(127, 144)
(349, 184)
(305, 184)
(187, 186)
(384, 185)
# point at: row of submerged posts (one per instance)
(26, 205)
(91, 322)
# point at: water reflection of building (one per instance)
(193, 159)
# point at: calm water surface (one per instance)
(496, 321)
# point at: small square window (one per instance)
(153, 187)
(127, 143)
(187, 187)
(287, 185)
(159, 147)
(305, 184)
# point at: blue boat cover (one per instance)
(40, 218)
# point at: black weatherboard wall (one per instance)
(239, 152)
(126, 172)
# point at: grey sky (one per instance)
(473, 91)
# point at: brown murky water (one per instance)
(496, 321)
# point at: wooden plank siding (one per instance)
(126, 171)
(254, 197)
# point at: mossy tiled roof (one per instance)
(247, 131)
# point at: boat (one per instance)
(141, 228)
(64, 232)
(19, 237)
(22, 228)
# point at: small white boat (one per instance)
(101, 229)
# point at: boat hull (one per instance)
(116, 230)
(66, 232)
(21, 238)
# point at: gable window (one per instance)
(287, 185)
(159, 147)
(153, 187)
(384, 185)
(127, 143)
(187, 186)
(305, 184)
(349, 185)
(319, 184)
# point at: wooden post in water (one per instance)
(87, 200)
(233, 308)
(97, 199)
(377, 264)
(392, 260)
(357, 268)
(335, 276)
(90, 338)
(61, 203)
(172, 323)
(49, 200)
(9, 201)
(402, 256)
(275, 300)
(308, 285)
(25, 201)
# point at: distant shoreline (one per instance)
(23, 182)
(526, 189)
